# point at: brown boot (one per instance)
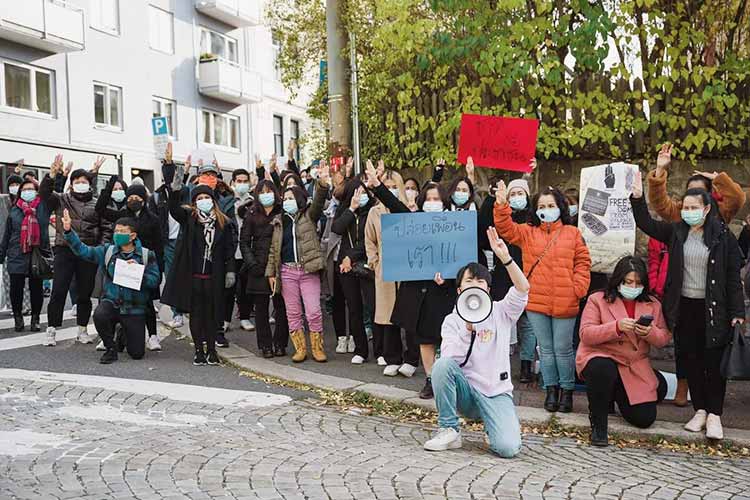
(680, 397)
(300, 346)
(316, 346)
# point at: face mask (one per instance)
(692, 217)
(135, 205)
(121, 239)
(13, 190)
(363, 199)
(629, 292)
(433, 206)
(28, 195)
(208, 180)
(411, 195)
(460, 198)
(205, 205)
(81, 187)
(290, 207)
(267, 199)
(573, 209)
(548, 214)
(243, 188)
(314, 174)
(394, 192)
(518, 202)
(118, 196)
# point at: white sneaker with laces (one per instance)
(350, 346)
(84, 337)
(100, 346)
(446, 438)
(698, 422)
(247, 325)
(358, 360)
(391, 370)
(714, 429)
(50, 338)
(341, 346)
(177, 322)
(153, 343)
(407, 370)
(381, 361)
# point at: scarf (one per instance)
(208, 221)
(31, 235)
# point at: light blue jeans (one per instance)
(555, 337)
(526, 338)
(454, 394)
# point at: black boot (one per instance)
(552, 401)
(279, 352)
(566, 401)
(109, 356)
(19, 323)
(598, 430)
(35, 323)
(525, 372)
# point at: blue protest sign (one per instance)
(159, 126)
(418, 245)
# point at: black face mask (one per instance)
(135, 205)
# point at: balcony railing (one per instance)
(237, 13)
(50, 25)
(228, 81)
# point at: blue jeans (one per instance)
(454, 394)
(526, 338)
(168, 261)
(555, 336)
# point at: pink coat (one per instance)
(599, 338)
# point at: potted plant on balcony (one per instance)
(207, 57)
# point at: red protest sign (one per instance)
(498, 142)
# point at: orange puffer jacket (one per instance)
(562, 277)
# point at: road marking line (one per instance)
(6, 324)
(35, 339)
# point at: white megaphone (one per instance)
(474, 305)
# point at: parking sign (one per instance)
(160, 131)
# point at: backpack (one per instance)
(110, 253)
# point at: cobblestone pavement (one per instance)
(62, 441)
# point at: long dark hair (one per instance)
(625, 266)
(350, 188)
(264, 183)
(454, 185)
(562, 204)
(713, 225)
(423, 195)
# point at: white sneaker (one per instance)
(445, 439)
(358, 360)
(381, 361)
(50, 339)
(390, 370)
(713, 427)
(350, 346)
(100, 346)
(341, 346)
(153, 343)
(177, 322)
(697, 423)
(407, 370)
(247, 325)
(84, 337)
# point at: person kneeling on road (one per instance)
(119, 304)
(472, 375)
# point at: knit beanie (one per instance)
(519, 183)
(201, 189)
(137, 190)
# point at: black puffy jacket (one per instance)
(82, 208)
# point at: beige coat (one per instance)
(385, 291)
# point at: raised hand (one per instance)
(381, 169)
(98, 163)
(533, 165)
(438, 279)
(440, 164)
(707, 175)
(168, 153)
(498, 245)
(19, 166)
(372, 175)
(272, 165)
(638, 184)
(501, 194)
(56, 166)
(664, 158)
(188, 162)
(354, 204)
(324, 175)
(179, 177)
(470, 168)
(258, 161)
(66, 221)
(68, 169)
(349, 168)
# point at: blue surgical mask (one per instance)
(121, 239)
(363, 199)
(630, 292)
(266, 199)
(13, 190)
(241, 189)
(394, 192)
(460, 198)
(290, 207)
(573, 209)
(205, 205)
(692, 217)
(81, 187)
(433, 206)
(28, 195)
(548, 214)
(518, 202)
(118, 196)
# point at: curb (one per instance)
(246, 360)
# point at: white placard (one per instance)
(128, 274)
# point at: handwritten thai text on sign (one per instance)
(498, 142)
(418, 245)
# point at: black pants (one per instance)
(203, 314)
(17, 284)
(352, 289)
(106, 316)
(378, 334)
(66, 266)
(238, 291)
(280, 336)
(700, 364)
(339, 304)
(604, 385)
(393, 347)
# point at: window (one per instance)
(161, 27)
(294, 136)
(221, 130)
(107, 106)
(105, 15)
(213, 43)
(27, 87)
(276, 43)
(166, 108)
(278, 135)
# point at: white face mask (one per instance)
(13, 190)
(433, 206)
(81, 187)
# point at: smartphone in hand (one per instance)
(645, 320)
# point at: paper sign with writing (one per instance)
(418, 245)
(128, 274)
(606, 219)
(498, 142)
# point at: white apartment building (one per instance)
(85, 77)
